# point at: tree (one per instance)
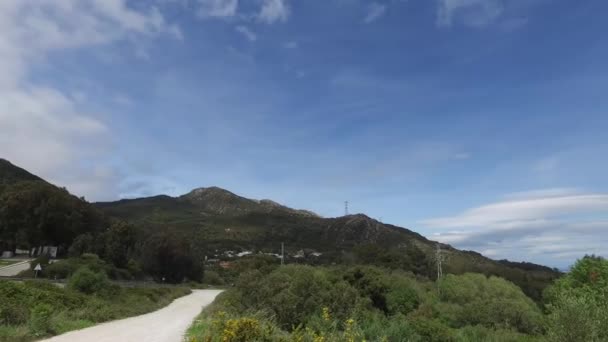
(577, 302)
(474, 299)
(120, 241)
(35, 213)
(170, 257)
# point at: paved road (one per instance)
(165, 325)
(14, 269)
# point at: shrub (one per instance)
(472, 299)
(402, 299)
(292, 294)
(60, 270)
(432, 330)
(86, 281)
(13, 314)
(40, 320)
(577, 303)
(213, 278)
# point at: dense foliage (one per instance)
(35, 213)
(304, 303)
(578, 303)
(170, 257)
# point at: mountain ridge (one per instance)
(11, 173)
(217, 220)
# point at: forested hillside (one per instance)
(139, 234)
(222, 221)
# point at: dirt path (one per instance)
(14, 269)
(165, 325)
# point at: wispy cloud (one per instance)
(273, 11)
(537, 224)
(524, 209)
(474, 13)
(375, 10)
(217, 8)
(247, 33)
(42, 128)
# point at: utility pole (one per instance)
(346, 208)
(439, 259)
(282, 253)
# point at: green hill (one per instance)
(10, 174)
(215, 221)
(218, 221)
(35, 213)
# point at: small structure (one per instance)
(51, 251)
(226, 264)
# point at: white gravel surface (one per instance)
(168, 324)
(14, 269)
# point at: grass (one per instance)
(4, 262)
(23, 316)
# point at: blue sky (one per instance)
(480, 123)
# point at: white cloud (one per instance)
(543, 193)
(524, 209)
(218, 8)
(374, 12)
(247, 33)
(550, 225)
(473, 13)
(41, 128)
(273, 11)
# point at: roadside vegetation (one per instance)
(7, 262)
(34, 309)
(361, 303)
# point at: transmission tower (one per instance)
(282, 254)
(439, 258)
(346, 208)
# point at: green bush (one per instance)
(40, 320)
(60, 270)
(472, 299)
(213, 278)
(432, 330)
(13, 314)
(86, 281)
(482, 334)
(402, 299)
(578, 302)
(292, 294)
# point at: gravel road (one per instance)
(168, 324)
(14, 269)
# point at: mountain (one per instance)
(36, 213)
(195, 205)
(219, 220)
(220, 201)
(10, 174)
